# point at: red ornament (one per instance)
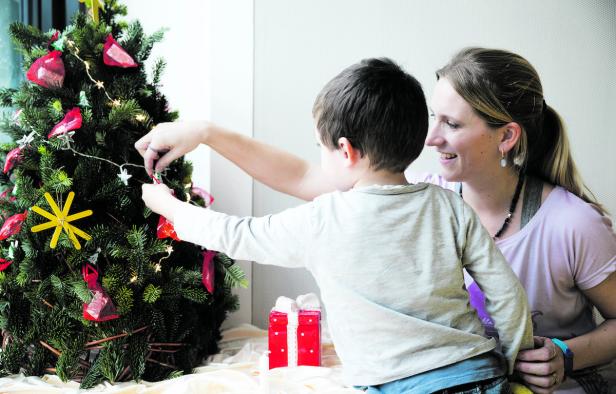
(11, 158)
(53, 38)
(12, 225)
(4, 264)
(207, 270)
(207, 197)
(114, 55)
(47, 71)
(72, 121)
(165, 229)
(100, 308)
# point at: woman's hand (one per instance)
(159, 198)
(542, 369)
(169, 141)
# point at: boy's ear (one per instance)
(350, 154)
(511, 133)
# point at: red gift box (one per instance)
(295, 332)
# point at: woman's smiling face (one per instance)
(468, 147)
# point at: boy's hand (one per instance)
(169, 141)
(159, 199)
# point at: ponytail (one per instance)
(549, 158)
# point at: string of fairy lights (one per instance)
(99, 84)
(67, 139)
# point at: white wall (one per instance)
(300, 45)
(296, 46)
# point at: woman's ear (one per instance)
(350, 154)
(510, 135)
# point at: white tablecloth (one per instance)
(234, 370)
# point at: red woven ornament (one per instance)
(72, 121)
(12, 225)
(207, 270)
(100, 308)
(165, 229)
(47, 71)
(4, 264)
(114, 55)
(11, 159)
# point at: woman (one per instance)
(506, 152)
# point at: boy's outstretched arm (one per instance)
(282, 239)
(271, 166)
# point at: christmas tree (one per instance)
(93, 286)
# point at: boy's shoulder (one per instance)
(445, 193)
(434, 179)
(422, 192)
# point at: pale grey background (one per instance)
(300, 45)
(256, 65)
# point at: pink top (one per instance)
(566, 247)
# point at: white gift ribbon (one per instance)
(292, 307)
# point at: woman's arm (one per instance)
(275, 168)
(271, 166)
(542, 369)
(599, 345)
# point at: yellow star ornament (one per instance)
(60, 219)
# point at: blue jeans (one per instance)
(484, 373)
(498, 385)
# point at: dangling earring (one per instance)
(503, 160)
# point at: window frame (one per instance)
(49, 14)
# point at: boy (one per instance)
(388, 256)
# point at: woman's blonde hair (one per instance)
(503, 87)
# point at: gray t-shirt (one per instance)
(389, 263)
